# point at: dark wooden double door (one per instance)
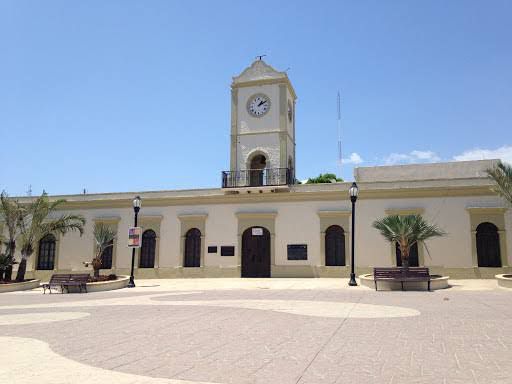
(256, 252)
(488, 245)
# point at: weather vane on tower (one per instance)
(260, 57)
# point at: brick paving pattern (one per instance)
(458, 337)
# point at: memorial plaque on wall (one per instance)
(212, 249)
(297, 251)
(257, 231)
(227, 250)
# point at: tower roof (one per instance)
(260, 72)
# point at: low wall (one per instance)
(20, 286)
(505, 280)
(384, 285)
(100, 286)
(276, 271)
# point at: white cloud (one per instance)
(504, 153)
(426, 155)
(412, 157)
(353, 159)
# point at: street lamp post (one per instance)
(136, 209)
(353, 192)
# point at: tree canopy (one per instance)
(324, 178)
(501, 174)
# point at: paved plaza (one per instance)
(258, 331)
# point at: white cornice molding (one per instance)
(256, 215)
(192, 216)
(150, 217)
(486, 210)
(107, 219)
(340, 213)
(404, 211)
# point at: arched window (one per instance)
(334, 246)
(488, 245)
(193, 248)
(106, 256)
(147, 250)
(46, 254)
(413, 256)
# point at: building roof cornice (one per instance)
(303, 192)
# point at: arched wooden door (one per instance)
(334, 246)
(488, 245)
(148, 249)
(413, 256)
(256, 252)
(193, 248)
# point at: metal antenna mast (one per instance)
(340, 157)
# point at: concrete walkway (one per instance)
(258, 331)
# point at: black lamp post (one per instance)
(136, 208)
(353, 191)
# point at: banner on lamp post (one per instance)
(134, 237)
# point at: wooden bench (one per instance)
(412, 274)
(56, 282)
(65, 280)
(77, 280)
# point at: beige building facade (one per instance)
(261, 223)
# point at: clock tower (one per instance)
(262, 128)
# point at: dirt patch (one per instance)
(93, 279)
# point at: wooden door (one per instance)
(193, 248)
(488, 245)
(334, 246)
(256, 252)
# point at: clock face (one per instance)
(258, 105)
(290, 112)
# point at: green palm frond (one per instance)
(406, 231)
(65, 224)
(39, 218)
(9, 212)
(501, 174)
(104, 235)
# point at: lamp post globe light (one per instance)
(136, 208)
(353, 191)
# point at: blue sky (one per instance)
(134, 95)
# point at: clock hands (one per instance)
(258, 105)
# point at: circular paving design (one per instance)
(35, 318)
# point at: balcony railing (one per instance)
(268, 177)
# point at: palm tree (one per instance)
(406, 231)
(104, 237)
(38, 219)
(9, 212)
(501, 174)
